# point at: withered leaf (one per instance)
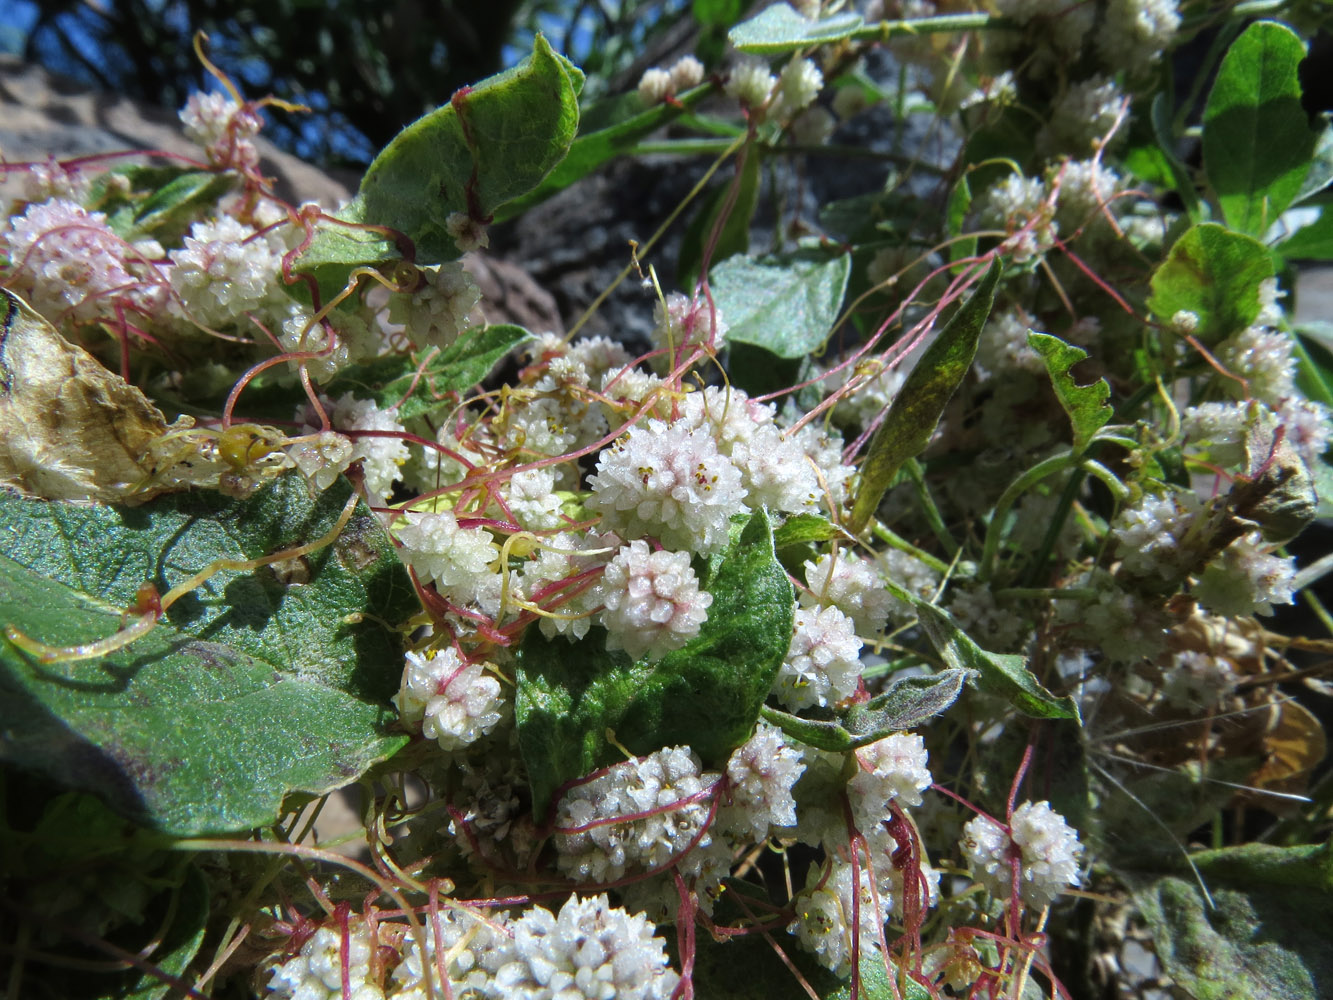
(69, 428)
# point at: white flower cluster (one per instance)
(560, 577)
(1045, 847)
(590, 950)
(890, 770)
(668, 482)
(798, 85)
(652, 600)
(657, 84)
(1263, 357)
(322, 457)
(316, 973)
(1082, 117)
(437, 309)
(1197, 680)
(69, 264)
(1003, 346)
(452, 702)
(760, 776)
(641, 815)
(458, 561)
(1021, 207)
(1246, 579)
(1134, 33)
(54, 180)
(224, 128)
(474, 950)
(850, 583)
(226, 273)
(1063, 24)
(681, 324)
(824, 915)
(750, 82)
(1151, 531)
(823, 664)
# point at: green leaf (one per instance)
(169, 211)
(1002, 674)
(1215, 274)
(415, 389)
(1164, 131)
(907, 703)
(801, 528)
(256, 685)
(916, 409)
(786, 307)
(180, 941)
(1257, 142)
(1312, 242)
(717, 13)
(955, 215)
(1314, 367)
(1321, 163)
(1265, 936)
(706, 694)
(1086, 404)
(593, 149)
(734, 237)
(488, 145)
(780, 28)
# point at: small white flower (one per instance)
(761, 773)
(453, 702)
(322, 457)
(823, 663)
(686, 72)
(750, 82)
(655, 86)
(846, 580)
(799, 84)
(316, 973)
(668, 482)
(652, 600)
(658, 805)
(466, 232)
(454, 558)
(436, 311)
(590, 951)
(1047, 850)
(224, 128)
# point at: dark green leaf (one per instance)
(960, 203)
(723, 13)
(488, 145)
(1163, 129)
(1215, 274)
(180, 941)
(1321, 165)
(1257, 142)
(169, 211)
(403, 382)
(1312, 242)
(734, 237)
(1086, 404)
(1002, 674)
(780, 29)
(788, 308)
(593, 149)
(255, 685)
(1265, 936)
(1314, 368)
(706, 694)
(906, 704)
(916, 409)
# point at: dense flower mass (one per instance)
(898, 448)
